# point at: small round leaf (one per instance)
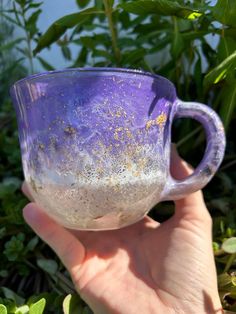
(229, 246)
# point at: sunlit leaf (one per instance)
(160, 7)
(24, 309)
(3, 309)
(229, 246)
(220, 72)
(38, 307)
(72, 304)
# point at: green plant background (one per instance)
(170, 38)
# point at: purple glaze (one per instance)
(81, 126)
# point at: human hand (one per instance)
(144, 268)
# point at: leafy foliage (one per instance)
(171, 38)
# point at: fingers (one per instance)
(193, 205)
(66, 246)
(26, 191)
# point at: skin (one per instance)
(144, 268)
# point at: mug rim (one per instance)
(94, 70)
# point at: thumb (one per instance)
(192, 206)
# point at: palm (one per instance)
(146, 259)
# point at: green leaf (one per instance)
(221, 71)
(82, 3)
(229, 246)
(72, 304)
(14, 248)
(38, 307)
(58, 28)
(177, 42)
(225, 12)
(47, 66)
(3, 309)
(131, 57)
(24, 309)
(32, 243)
(228, 101)
(9, 294)
(226, 47)
(9, 186)
(66, 52)
(88, 42)
(224, 280)
(33, 18)
(3, 273)
(10, 45)
(160, 7)
(48, 265)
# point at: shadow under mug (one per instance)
(95, 144)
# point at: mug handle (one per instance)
(214, 153)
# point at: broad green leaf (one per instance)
(58, 28)
(160, 7)
(82, 3)
(221, 71)
(3, 309)
(48, 265)
(38, 307)
(225, 12)
(45, 64)
(229, 246)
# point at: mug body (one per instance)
(95, 143)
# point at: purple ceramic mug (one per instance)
(95, 144)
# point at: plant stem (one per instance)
(108, 11)
(230, 261)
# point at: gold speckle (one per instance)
(161, 119)
(149, 124)
(70, 130)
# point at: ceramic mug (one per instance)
(95, 144)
